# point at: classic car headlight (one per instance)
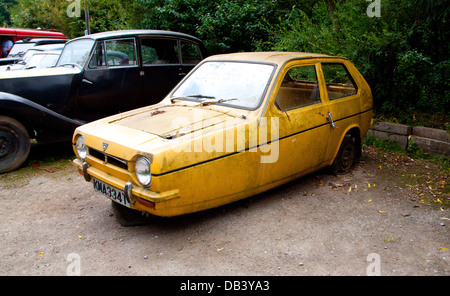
(81, 148)
(142, 169)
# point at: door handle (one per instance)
(87, 81)
(331, 120)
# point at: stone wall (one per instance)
(431, 140)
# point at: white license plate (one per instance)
(111, 192)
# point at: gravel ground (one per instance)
(387, 217)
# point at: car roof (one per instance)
(47, 52)
(275, 57)
(132, 33)
(41, 41)
(47, 47)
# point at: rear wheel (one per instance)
(14, 144)
(346, 156)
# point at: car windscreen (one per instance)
(42, 60)
(234, 84)
(76, 53)
(28, 55)
(19, 49)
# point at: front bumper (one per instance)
(141, 199)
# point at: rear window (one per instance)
(190, 53)
(160, 51)
(338, 80)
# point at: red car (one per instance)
(18, 34)
(9, 36)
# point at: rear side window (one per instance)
(338, 80)
(190, 53)
(159, 51)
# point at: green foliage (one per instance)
(224, 26)
(104, 15)
(381, 144)
(403, 54)
(5, 16)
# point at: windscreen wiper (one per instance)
(172, 100)
(205, 103)
(202, 97)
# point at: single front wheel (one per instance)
(14, 144)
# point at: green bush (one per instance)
(403, 54)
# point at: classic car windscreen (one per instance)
(19, 50)
(44, 60)
(76, 52)
(235, 84)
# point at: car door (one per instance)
(165, 62)
(304, 129)
(191, 55)
(161, 67)
(342, 97)
(111, 82)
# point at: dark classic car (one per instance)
(96, 76)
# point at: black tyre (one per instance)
(129, 217)
(14, 144)
(346, 157)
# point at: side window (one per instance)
(121, 52)
(190, 53)
(98, 58)
(159, 51)
(299, 88)
(339, 81)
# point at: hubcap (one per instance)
(7, 144)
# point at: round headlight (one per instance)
(142, 169)
(81, 148)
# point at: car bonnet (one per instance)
(152, 129)
(173, 121)
(39, 72)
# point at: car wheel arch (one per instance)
(352, 135)
(26, 123)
